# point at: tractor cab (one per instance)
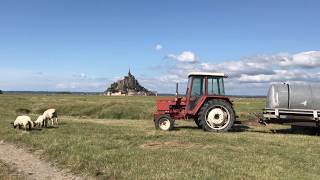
(201, 84)
(205, 102)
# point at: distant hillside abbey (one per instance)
(128, 86)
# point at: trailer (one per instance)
(293, 104)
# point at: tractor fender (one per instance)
(205, 99)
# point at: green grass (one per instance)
(246, 108)
(81, 106)
(127, 149)
(104, 107)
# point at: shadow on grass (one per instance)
(51, 127)
(178, 128)
(235, 128)
(303, 130)
(28, 130)
(55, 126)
(42, 128)
(298, 130)
(239, 128)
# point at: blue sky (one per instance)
(81, 45)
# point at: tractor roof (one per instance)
(206, 74)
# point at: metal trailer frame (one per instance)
(284, 115)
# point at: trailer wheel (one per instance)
(164, 122)
(216, 116)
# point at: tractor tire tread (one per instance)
(210, 103)
(156, 122)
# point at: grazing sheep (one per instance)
(51, 114)
(23, 121)
(40, 121)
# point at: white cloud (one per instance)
(294, 75)
(185, 56)
(80, 76)
(309, 59)
(263, 68)
(236, 68)
(159, 47)
(255, 78)
(82, 82)
(27, 80)
(80, 86)
(249, 75)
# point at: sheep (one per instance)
(51, 114)
(23, 121)
(40, 121)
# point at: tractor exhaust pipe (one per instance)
(177, 90)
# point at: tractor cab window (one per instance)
(215, 86)
(188, 86)
(197, 91)
(197, 87)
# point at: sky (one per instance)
(84, 45)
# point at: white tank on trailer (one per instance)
(294, 96)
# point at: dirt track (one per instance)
(30, 165)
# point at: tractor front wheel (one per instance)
(164, 122)
(216, 116)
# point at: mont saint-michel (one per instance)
(129, 86)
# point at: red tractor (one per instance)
(205, 102)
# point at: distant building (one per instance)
(115, 94)
(128, 86)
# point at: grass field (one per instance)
(114, 137)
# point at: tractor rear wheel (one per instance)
(197, 121)
(164, 122)
(216, 116)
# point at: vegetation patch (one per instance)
(8, 172)
(23, 111)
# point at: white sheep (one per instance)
(40, 121)
(51, 114)
(23, 121)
